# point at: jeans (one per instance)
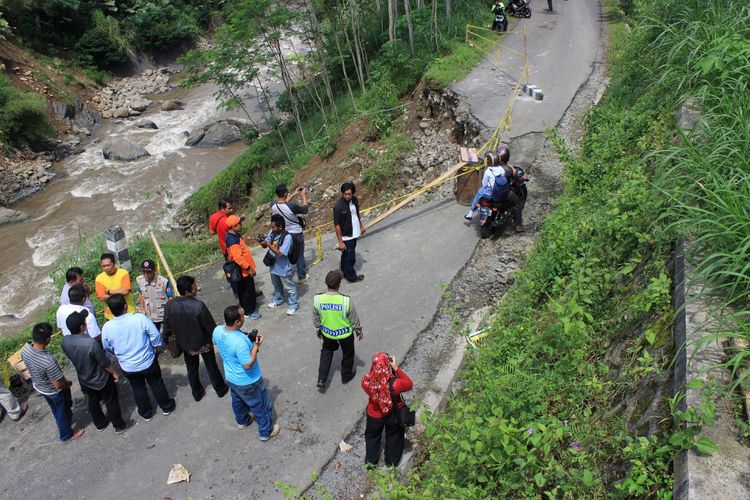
(481, 192)
(281, 283)
(61, 405)
(255, 398)
(192, 363)
(9, 402)
(347, 361)
(394, 440)
(108, 396)
(299, 241)
(246, 294)
(348, 258)
(152, 376)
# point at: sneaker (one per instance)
(519, 228)
(274, 432)
(346, 380)
(174, 403)
(253, 315)
(128, 425)
(321, 384)
(249, 422)
(24, 408)
(259, 293)
(291, 312)
(469, 215)
(302, 279)
(274, 304)
(100, 429)
(148, 419)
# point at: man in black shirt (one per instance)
(349, 227)
(95, 374)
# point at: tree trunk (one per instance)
(289, 86)
(409, 24)
(448, 10)
(357, 45)
(343, 64)
(392, 15)
(277, 124)
(320, 53)
(435, 24)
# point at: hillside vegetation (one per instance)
(560, 400)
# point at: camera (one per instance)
(252, 334)
(261, 238)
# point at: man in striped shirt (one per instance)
(49, 381)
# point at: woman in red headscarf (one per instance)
(380, 414)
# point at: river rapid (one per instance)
(90, 194)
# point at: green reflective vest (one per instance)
(334, 315)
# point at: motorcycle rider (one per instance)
(497, 9)
(501, 173)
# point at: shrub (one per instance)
(22, 116)
(162, 24)
(95, 47)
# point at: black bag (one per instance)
(232, 272)
(174, 348)
(269, 259)
(404, 415)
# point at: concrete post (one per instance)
(118, 245)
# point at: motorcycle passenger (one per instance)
(499, 9)
(501, 173)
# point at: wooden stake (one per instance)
(164, 263)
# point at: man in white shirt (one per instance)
(77, 297)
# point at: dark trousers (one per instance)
(549, 4)
(61, 405)
(152, 376)
(348, 258)
(394, 440)
(326, 357)
(234, 286)
(246, 294)
(108, 396)
(517, 203)
(192, 363)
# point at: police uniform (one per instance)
(336, 320)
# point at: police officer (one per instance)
(336, 322)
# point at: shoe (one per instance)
(198, 397)
(469, 215)
(253, 315)
(100, 429)
(174, 406)
(519, 228)
(303, 279)
(259, 293)
(349, 378)
(223, 392)
(76, 434)
(274, 432)
(321, 384)
(148, 419)
(274, 304)
(24, 409)
(291, 312)
(128, 425)
(249, 422)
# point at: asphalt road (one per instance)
(406, 261)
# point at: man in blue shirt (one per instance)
(242, 372)
(133, 338)
(280, 243)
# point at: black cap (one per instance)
(75, 320)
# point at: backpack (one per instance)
(500, 188)
(294, 251)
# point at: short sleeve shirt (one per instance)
(289, 211)
(120, 279)
(217, 224)
(282, 266)
(234, 347)
(92, 327)
(43, 369)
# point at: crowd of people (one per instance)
(136, 331)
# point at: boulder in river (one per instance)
(172, 105)
(144, 123)
(122, 150)
(218, 133)
(8, 216)
(121, 113)
(139, 104)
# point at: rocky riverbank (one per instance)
(126, 97)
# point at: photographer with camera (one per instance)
(280, 246)
(239, 352)
(294, 224)
(385, 382)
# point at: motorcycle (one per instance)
(495, 216)
(519, 8)
(500, 23)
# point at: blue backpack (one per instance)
(500, 188)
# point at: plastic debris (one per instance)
(345, 447)
(178, 474)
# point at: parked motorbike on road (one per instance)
(495, 216)
(519, 8)
(500, 23)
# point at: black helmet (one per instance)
(504, 154)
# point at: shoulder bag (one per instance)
(302, 223)
(404, 415)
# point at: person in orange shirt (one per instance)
(239, 253)
(113, 281)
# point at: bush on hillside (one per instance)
(97, 48)
(162, 24)
(22, 116)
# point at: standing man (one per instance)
(9, 404)
(113, 281)
(281, 244)
(192, 324)
(349, 227)
(133, 338)
(96, 375)
(153, 292)
(242, 369)
(336, 322)
(49, 381)
(289, 211)
(76, 298)
(74, 276)
(239, 253)
(216, 222)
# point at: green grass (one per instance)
(384, 170)
(456, 64)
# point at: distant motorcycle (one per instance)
(500, 23)
(519, 8)
(495, 216)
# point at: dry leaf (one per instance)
(337, 466)
(178, 474)
(345, 447)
